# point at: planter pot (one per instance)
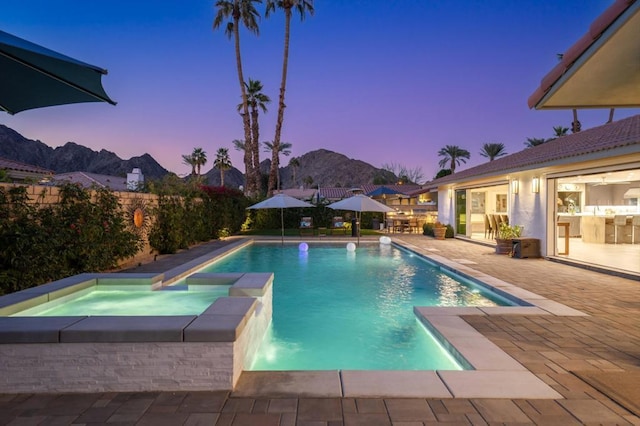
(439, 233)
(504, 246)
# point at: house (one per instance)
(18, 172)
(132, 182)
(579, 194)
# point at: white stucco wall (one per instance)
(446, 213)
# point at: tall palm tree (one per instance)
(531, 142)
(493, 150)
(283, 148)
(257, 101)
(189, 161)
(302, 6)
(236, 12)
(294, 163)
(199, 158)
(453, 155)
(222, 162)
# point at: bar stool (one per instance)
(620, 220)
(635, 223)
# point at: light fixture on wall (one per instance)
(535, 185)
(450, 192)
(515, 186)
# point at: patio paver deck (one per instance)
(557, 349)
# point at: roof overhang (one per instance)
(602, 69)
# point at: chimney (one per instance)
(135, 180)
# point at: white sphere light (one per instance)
(303, 247)
(385, 240)
(351, 247)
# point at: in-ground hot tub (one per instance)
(82, 353)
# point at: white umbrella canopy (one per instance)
(280, 201)
(360, 203)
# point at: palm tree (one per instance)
(189, 161)
(308, 181)
(493, 150)
(531, 142)
(222, 162)
(238, 144)
(302, 6)
(256, 101)
(283, 148)
(294, 163)
(560, 131)
(199, 157)
(237, 11)
(453, 155)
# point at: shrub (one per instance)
(427, 229)
(45, 243)
(449, 232)
(507, 232)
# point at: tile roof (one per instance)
(608, 137)
(597, 28)
(22, 167)
(340, 193)
(87, 180)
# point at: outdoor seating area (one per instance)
(306, 226)
(338, 226)
(404, 224)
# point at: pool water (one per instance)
(335, 309)
(98, 302)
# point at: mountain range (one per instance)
(319, 167)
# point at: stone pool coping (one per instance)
(223, 321)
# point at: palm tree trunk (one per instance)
(248, 164)
(275, 163)
(255, 149)
(221, 177)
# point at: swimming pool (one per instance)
(129, 302)
(335, 309)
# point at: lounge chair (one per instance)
(306, 226)
(337, 224)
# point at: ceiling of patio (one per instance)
(601, 70)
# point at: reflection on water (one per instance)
(335, 309)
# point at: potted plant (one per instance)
(439, 231)
(506, 234)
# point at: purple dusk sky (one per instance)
(380, 81)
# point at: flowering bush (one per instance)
(44, 243)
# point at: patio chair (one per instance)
(337, 225)
(389, 225)
(494, 224)
(306, 226)
(488, 229)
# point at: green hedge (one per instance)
(44, 243)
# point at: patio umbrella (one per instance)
(32, 76)
(360, 203)
(280, 201)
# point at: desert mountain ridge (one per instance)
(319, 167)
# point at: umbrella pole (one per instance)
(358, 226)
(282, 224)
